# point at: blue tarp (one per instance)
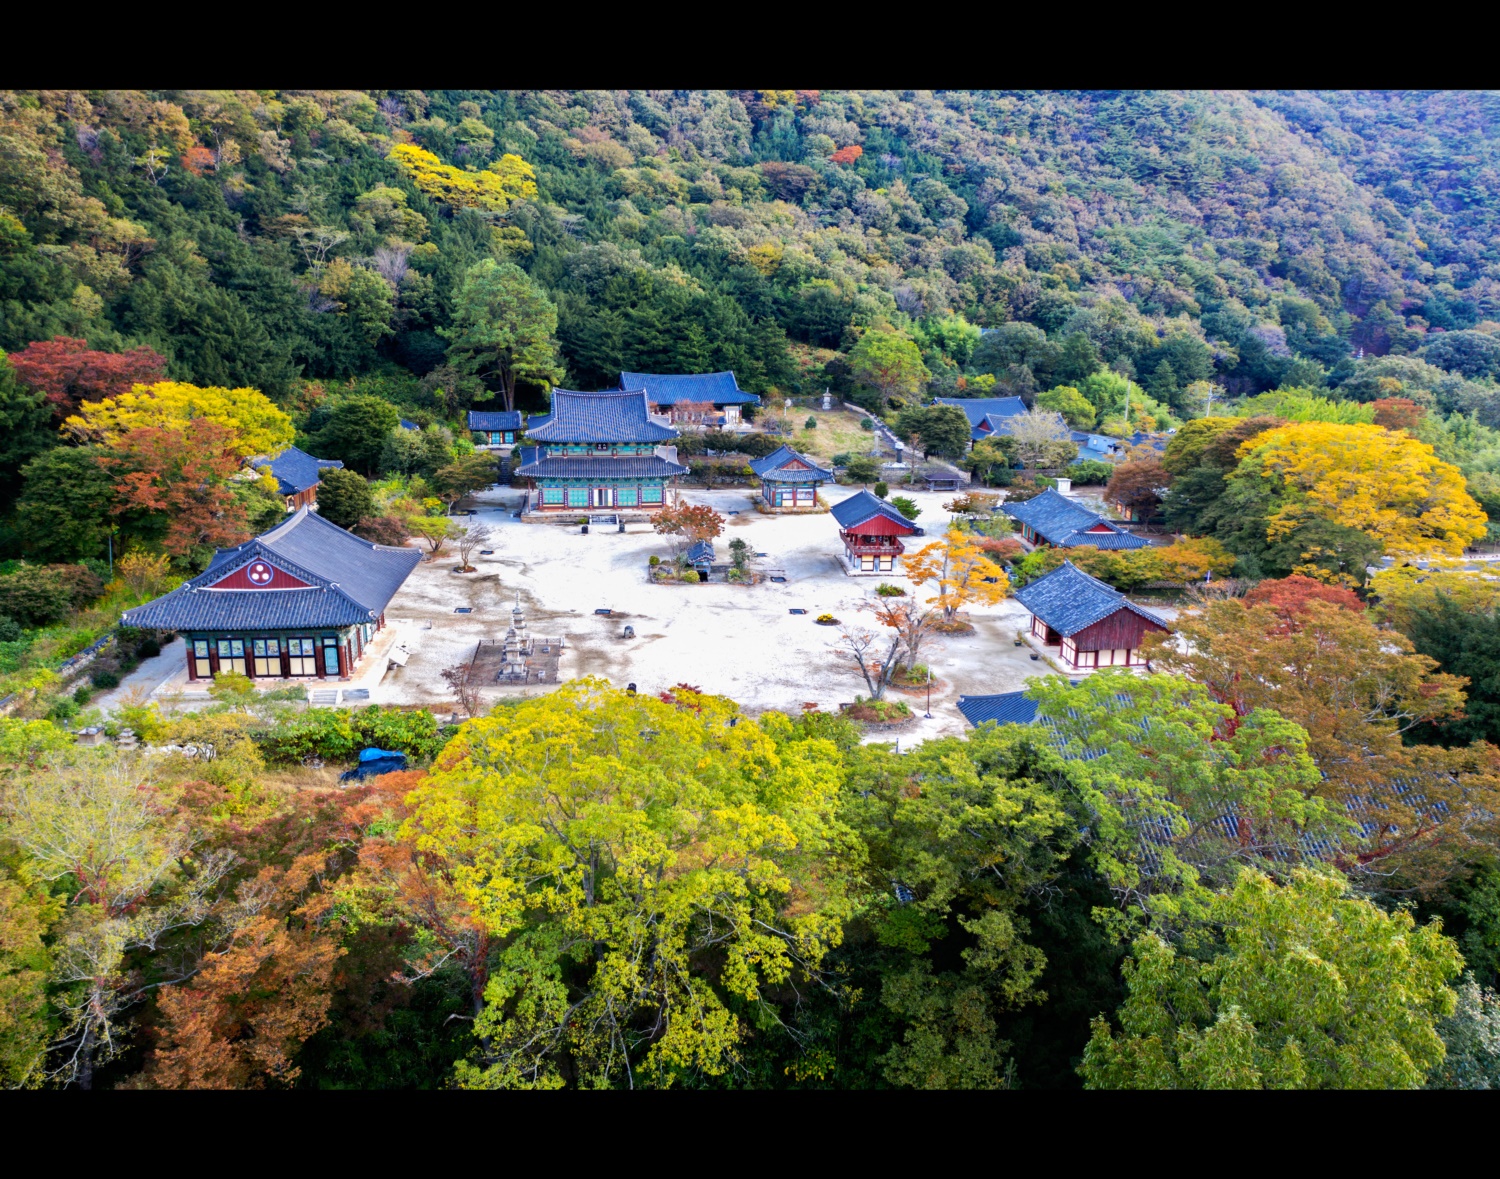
(373, 754)
(373, 762)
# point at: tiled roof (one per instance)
(1061, 522)
(718, 388)
(1095, 442)
(352, 581)
(408, 424)
(494, 419)
(770, 467)
(1069, 600)
(862, 506)
(295, 470)
(537, 421)
(1005, 708)
(599, 417)
(976, 409)
(586, 466)
(701, 552)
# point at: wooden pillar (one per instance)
(343, 661)
(192, 664)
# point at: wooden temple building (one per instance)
(871, 530)
(789, 481)
(1091, 624)
(302, 601)
(598, 450)
(1052, 519)
(297, 475)
(705, 400)
(494, 429)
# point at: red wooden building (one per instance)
(1091, 624)
(871, 531)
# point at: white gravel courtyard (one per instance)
(736, 641)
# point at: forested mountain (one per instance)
(268, 238)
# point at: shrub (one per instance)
(866, 423)
(917, 673)
(149, 648)
(690, 577)
(386, 530)
(882, 489)
(63, 709)
(655, 560)
(826, 618)
(906, 507)
(886, 590)
(38, 595)
(862, 469)
(1090, 471)
(810, 424)
(10, 629)
(840, 459)
(104, 679)
(82, 695)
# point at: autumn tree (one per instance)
(1385, 483)
(913, 625)
(1139, 486)
(687, 524)
(508, 179)
(638, 870)
(1289, 596)
(26, 917)
(1400, 593)
(503, 329)
(1356, 689)
(256, 426)
(179, 483)
(960, 571)
(863, 648)
(103, 823)
(889, 363)
(67, 372)
(1041, 438)
(1398, 413)
(468, 543)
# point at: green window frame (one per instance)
(552, 495)
(627, 497)
(578, 497)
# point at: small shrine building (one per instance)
(1091, 624)
(711, 400)
(297, 475)
(495, 428)
(1052, 519)
(789, 480)
(871, 530)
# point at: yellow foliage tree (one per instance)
(1405, 591)
(1380, 481)
(961, 571)
(259, 427)
(508, 178)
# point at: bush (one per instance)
(10, 629)
(906, 507)
(63, 710)
(840, 459)
(862, 469)
(104, 679)
(38, 595)
(756, 445)
(655, 560)
(690, 577)
(886, 590)
(344, 497)
(866, 423)
(148, 648)
(882, 489)
(810, 424)
(1090, 471)
(82, 695)
(338, 734)
(386, 530)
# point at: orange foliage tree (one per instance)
(689, 523)
(183, 478)
(847, 155)
(962, 572)
(1289, 596)
(1398, 413)
(67, 372)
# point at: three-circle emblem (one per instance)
(261, 574)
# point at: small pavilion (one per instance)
(871, 530)
(302, 601)
(789, 481)
(496, 428)
(690, 398)
(1091, 624)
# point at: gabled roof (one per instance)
(408, 424)
(1004, 708)
(701, 552)
(1095, 442)
(976, 409)
(1060, 521)
(862, 506)
(1069, 600)
(599, 417)
(719, 388)
(350, 581)
(494, 419)
(294, 470)
(537, 421)
(771, 466)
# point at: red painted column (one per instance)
(191, 664)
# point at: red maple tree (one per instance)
(183, 475)
(67, 371)
(847, 155)
(1398, 413)
(1289, 597)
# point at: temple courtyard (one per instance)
(732, 640)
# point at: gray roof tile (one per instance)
(494, 419)
(644, 466)
(294, 470)
(976, 409)
(1004, 708)
(1061, 522)
(599, 417)
(718, 388)
(862, 506)
(770, 467)
(1069, 600)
